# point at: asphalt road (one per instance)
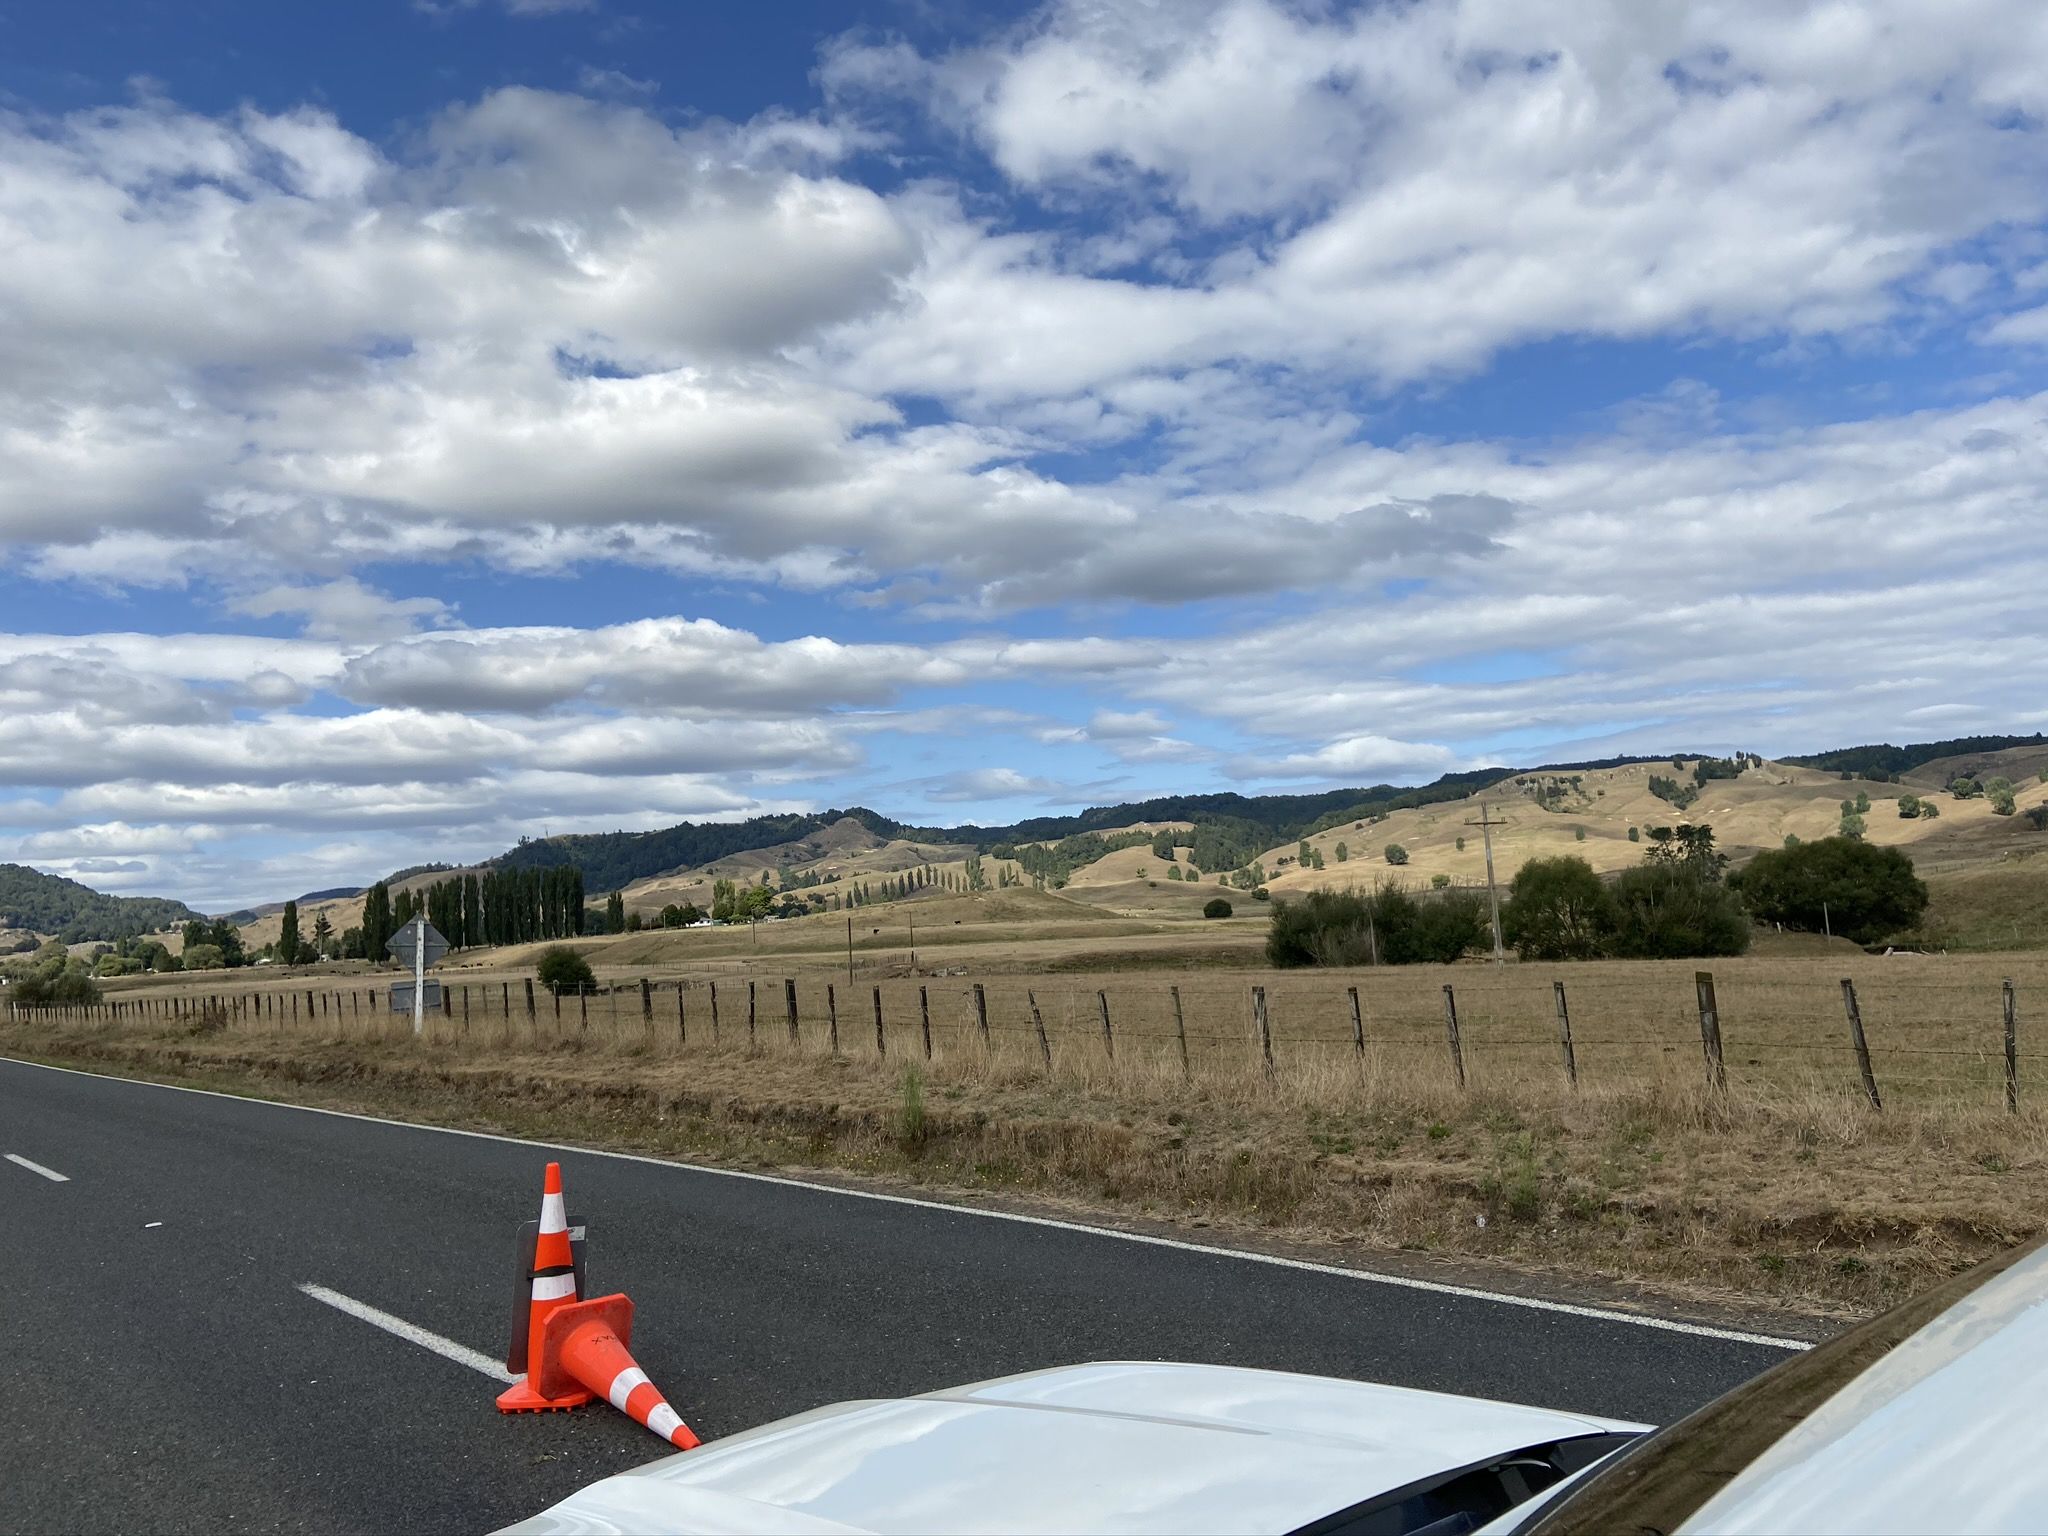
(160, 1369)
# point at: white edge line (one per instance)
(1209, 1250)
(49, 1173)
(412, 1333)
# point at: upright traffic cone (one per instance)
(554, 1288)
(584, 1344)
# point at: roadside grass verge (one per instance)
(1789, 1194)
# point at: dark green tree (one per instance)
(1558, 909)
(1663, 911)
(288, 935)
(560, 969)
(1859, 891)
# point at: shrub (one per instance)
(1216, 906)
(1909, 807)
(1461, 841)
(1635, 834)
(1964, 788)
(204, 957)
(64, 984)
(1666, 912)
(1396, 854)
(2001, 798)
(561, 969)
(1558, 909)
(1578, 834)
(1852, 827)
(1350, 928)
(1439, 882)
(1861, 892)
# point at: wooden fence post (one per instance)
(1564, 1035)
(682, 1022)
(611, 990)
(583, 1004)
(529, 1005)
(1038, 1023)
(789, 1004)
(447, 1002)
(295, 1008)
(1862, 1045)
(832, 1015)
(1265, 1028)
(1357, 1024)
(1108, 1039)
(1451, 1029)
(505, 1001)
(2012, 1050)
(881, 1040)
(981, 1016)
(647, 1005)
(1180, 1033)
(924, 1018)
(465, 1007)
(1710, 1030)
(750, 1014)
(714, 1012)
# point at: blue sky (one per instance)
(503, 416)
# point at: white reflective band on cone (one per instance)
(664, 1421)
(553, 1287)
(553, 1218)
(624, 1383)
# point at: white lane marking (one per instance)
(1207, 1250)
(49, 1173)
(412, 1333)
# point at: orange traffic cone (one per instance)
(554, 1288)
(584, 1344)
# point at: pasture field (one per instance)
(1788, 1186)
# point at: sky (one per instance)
(424, 425)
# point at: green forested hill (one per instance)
(51, 904)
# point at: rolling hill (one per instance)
(36, 902)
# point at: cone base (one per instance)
(521, 1398)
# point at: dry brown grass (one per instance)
(1787, 1188)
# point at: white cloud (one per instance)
(974, 784)
(1351, 758)
(343, 610)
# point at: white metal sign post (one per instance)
(421, 943)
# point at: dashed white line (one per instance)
(49, 1173)
(1209, 1250)
(412, 1333)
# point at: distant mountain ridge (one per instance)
(77, 913)
(613, 860)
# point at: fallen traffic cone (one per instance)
(554, 1288)
(584, 1345)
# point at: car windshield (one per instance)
(1465, 1498)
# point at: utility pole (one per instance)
(849, 957)
(1486, 824)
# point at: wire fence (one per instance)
(1956, 1030)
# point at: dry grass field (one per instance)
(1787, 1187)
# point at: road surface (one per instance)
(164, 1367)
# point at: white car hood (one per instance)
(1112, 1447)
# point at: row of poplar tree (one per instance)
(501, 906)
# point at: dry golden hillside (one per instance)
(1588, 813)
